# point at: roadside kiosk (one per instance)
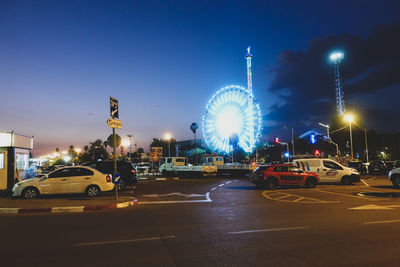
(14, 158)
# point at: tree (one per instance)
(96, 151)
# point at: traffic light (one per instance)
(316, 153)
(276, 140)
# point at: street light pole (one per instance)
(366, 144)
(329, 138)
(351, 142)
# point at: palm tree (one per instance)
(194, 126)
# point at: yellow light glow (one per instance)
(78, 150)
(167, 136)
(64, 152)
(349, 118)
(125, 142)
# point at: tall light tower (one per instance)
(337, 58)
(250, 89)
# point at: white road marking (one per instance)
(364, 182)
(228, 182)
(376, 222)
(375, 207)
(174, 194)
(221, 185)
(236, 180)
(212, 189)
(123, 241)
(268, 230)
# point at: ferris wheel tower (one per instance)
(250, 89)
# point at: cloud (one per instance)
(371, 63)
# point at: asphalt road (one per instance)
(217, 222)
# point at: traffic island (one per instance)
(70, 204)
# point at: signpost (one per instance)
(116, 181)
(114, 123)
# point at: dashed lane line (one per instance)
(364, 182)
(377, 222)
(123, 241)
(268, 230)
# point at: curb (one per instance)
(73, 209)
(159, 178)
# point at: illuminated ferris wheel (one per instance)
(232, 113)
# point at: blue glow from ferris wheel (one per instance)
(229, 113)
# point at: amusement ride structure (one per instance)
(233, 117)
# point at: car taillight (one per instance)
(133, 171)
(108, 178)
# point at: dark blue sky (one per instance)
(163, 60)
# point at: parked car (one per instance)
(126, 170)
(359, 166)
(329, 171)
(396, 164)
(394, 177)
(67, 180)
(271, 176)
(378, 167)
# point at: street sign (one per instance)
(110, 140)
(117, 178)
(114, 123)
(114, 107)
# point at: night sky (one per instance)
(62, 60)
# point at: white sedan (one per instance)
(67, 180)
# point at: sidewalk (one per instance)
(64, 203)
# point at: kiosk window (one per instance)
(22, 161)
(1, 160)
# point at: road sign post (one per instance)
(116, 181)
(113, 123)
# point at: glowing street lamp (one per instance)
(168, 136)
(126, 142)
(78, 150)
(350, 119)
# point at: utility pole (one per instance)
(293, 141)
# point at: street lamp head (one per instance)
(349, 118)
(78, 150)
(336, 56)
(167, 136)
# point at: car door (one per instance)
(56, 182)
(282, 174)
(329, 172)
(295, 175)
(79, 180)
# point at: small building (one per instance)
(14, 158)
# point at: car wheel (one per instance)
(311, 182)
(396, 181)
(30, 192)
(272, 183)
(93, 191)
(121, 185)
(347, 180)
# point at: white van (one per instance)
(329, 171)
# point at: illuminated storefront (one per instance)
(14, 158)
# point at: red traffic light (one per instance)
(316, 152)
(276, 140)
